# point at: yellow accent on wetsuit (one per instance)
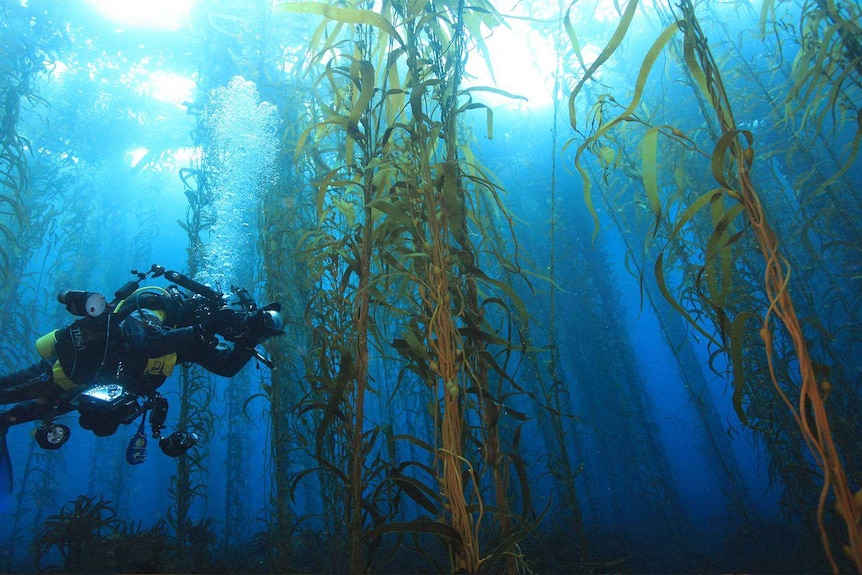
(47, 348)
(161, 365)
(47, 345)
(60, 377)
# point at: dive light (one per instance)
(83, 303)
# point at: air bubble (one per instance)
(240, 149)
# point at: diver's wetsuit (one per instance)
(34, 383)
(142, 340)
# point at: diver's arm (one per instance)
(223, 359)
(148, 340)
(169, 340)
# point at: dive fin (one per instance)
(5, 474)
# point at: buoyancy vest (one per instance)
(90, 348)
(93, 348)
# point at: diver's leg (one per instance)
(29, 383)
(27, 411)
(34, 387)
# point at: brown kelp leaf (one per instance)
(737, 333)
(573, 38)
(420, 493)
(854, 151)
(719, 155)
(718, 247)
(346, 15)
(646, 66)
(662, 286)
(649, 174)
(606, 53)
(523, 476)
(362, 74)
(489, 117)
(419, 526)
(691, 62)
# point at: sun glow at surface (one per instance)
(523, 65)
(523, 55)
(153, 14)
(171, 87)
(136, 156)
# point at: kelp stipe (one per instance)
(286, 214)
(810, 413)
(818, 216)
(393, 211)
(736, 198)
(553, 388)
(238, 482)
(188, 484)
(826, 200)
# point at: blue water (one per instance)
(129, 127)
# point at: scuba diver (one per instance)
(109, 364)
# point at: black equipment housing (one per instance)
(104, 407)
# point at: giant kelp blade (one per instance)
(662, 286)
(737, 332)
(718, 250)
(362, 74)
(345, 15)
(573, 38)
(420, 493)
(851, 159)
(489, 117)
(5, 475)
(606, 53)
(646, 66)
(649, 155)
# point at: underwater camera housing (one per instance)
(104, 407)
(249, 321)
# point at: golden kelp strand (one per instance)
(573, 38)
(688, 214)
(810, 415)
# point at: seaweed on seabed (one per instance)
(90, 539)
(78, 532)
(136, 550)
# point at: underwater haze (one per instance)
(568, 287)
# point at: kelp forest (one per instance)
(568, 287)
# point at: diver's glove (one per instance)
(204, 335)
